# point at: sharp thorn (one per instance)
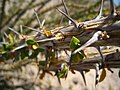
(37, 18)
(83, 76)
(59, 80)
(65, 7)
(103, 59)
(15, 37)
(99, 50)
(109, 69)
(66, 52)
(46, 40)
(34, 29)
(70, 59)
(43, 22)
(5, 34)
(66, 10)
(112, 7)
(100, 11)
(3, 38)
(14, 31)
(68, 17)
(21, 29)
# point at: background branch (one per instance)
(88, 63)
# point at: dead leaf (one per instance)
(103, 75)
(42, 75)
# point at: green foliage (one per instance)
(63, 71)
(8, 47)
(7, 52)
(75, 44)
(30, 42)
(33, 43)
(11, 40)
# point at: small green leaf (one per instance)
(4, 52)
(30, 42)
(11, 38)
(62, 73)
(75, 43)
(9, 46)
(33, 43)
(103, 75)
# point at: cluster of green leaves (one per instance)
(30, 48)
(7, 47)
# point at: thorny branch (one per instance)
(102, 31)
(87, 63)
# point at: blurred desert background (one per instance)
(21, 12)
